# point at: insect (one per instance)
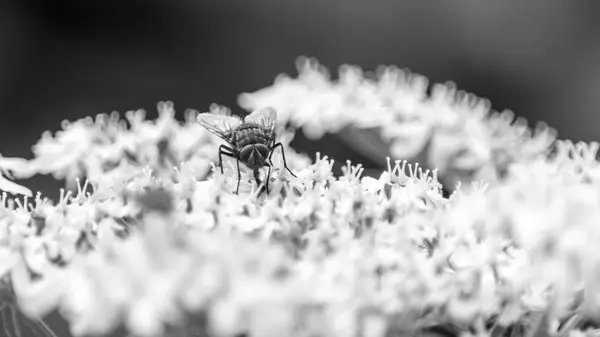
(250, 141)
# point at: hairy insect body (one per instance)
(250, 141)
(252, 145)
(250, 134)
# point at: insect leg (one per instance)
(256, 178)
(223, 150)
(237, 190)
(268, 178)
(283, 156)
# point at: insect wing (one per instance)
(220, 125)
(265, 118)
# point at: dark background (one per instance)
(66, 59)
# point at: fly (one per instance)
(250, 140)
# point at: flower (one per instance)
(156, 241)
(17, 166)
(458, 133)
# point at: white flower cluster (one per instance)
(110, 149)
(153, 241)
(459, 133)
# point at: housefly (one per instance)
(250, 140)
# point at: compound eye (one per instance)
(246, 152)
(262, 149)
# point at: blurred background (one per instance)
(66, 59)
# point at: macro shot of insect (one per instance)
(251, 140)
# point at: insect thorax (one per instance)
(249, 134)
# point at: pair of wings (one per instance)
(221, 123)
